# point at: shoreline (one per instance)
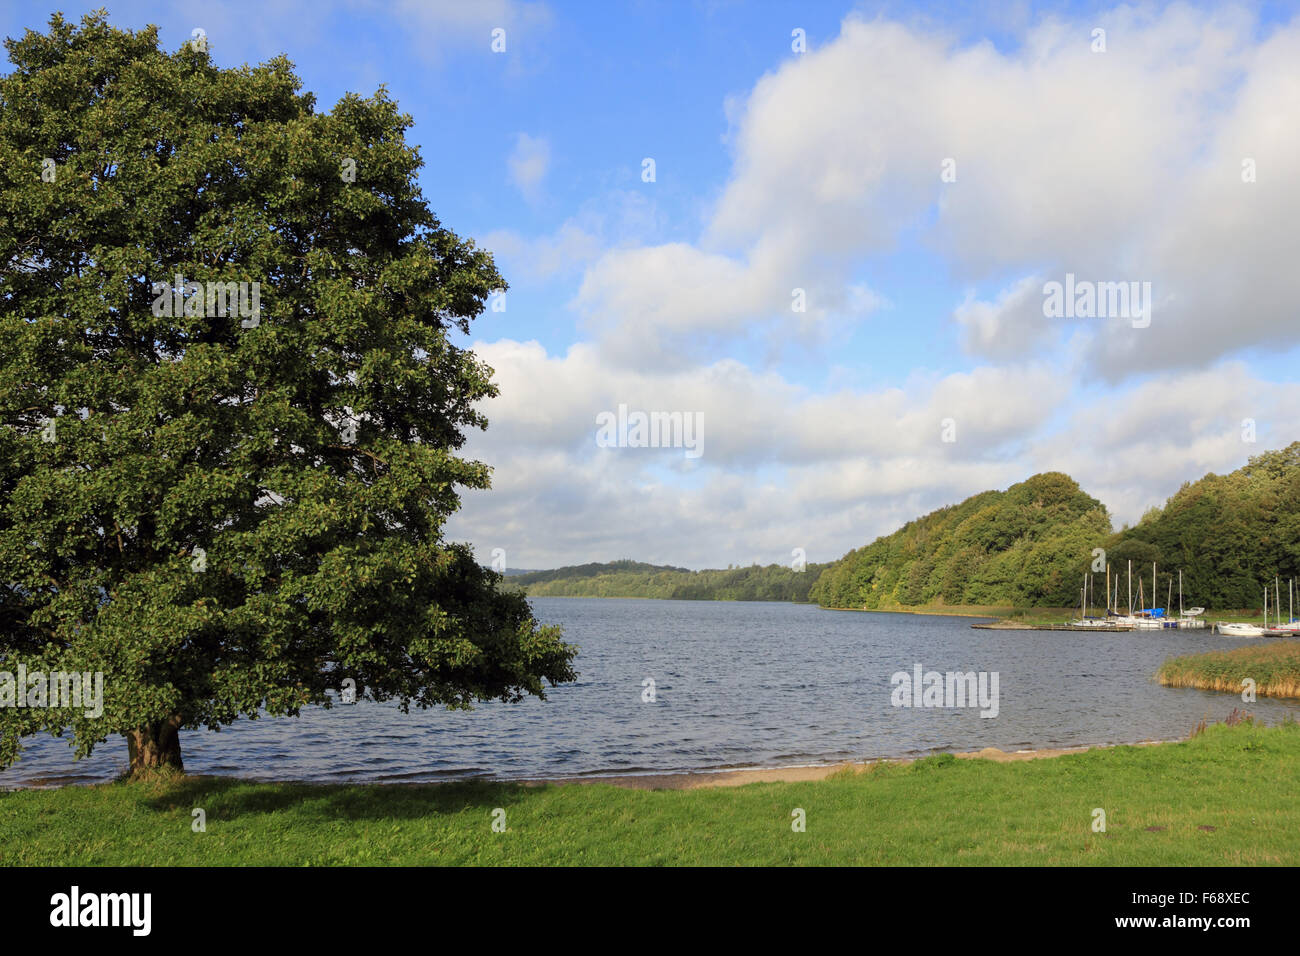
(706, 779)
(941, 611)
(653, 779)
(998, 615)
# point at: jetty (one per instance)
(1024, 626)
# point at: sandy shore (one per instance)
(696, 780)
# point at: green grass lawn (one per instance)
(1160, 802)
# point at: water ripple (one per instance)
(737, 685)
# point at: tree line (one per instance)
(773, 582)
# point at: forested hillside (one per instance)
(1027, 546)
(1228, 533)
(774, 582)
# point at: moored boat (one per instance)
(1233, 629)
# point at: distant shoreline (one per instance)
(995, 613)
(999, 614)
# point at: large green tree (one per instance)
(232, 506)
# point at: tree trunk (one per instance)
(156, 746)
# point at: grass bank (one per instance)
(1224, 797)
(1274, 665)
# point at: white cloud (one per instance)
(677, 304)
(1115, 166)
(780, 463)
(784, 468)
(599, 225)
(1118, 166)
(528, 163)
(1134, 447)
(1012, 325)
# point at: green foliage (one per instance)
(1230, 534)
(773, 582)
(1028, 546)
(1031, 545)
(592, 570)
(201, 528)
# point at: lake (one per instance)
(735, 685)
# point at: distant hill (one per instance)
(1027, 546)
(592, 570)
(774, 582)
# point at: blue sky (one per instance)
(777, 169)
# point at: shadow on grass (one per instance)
(229, 799)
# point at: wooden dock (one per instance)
(1020, 626)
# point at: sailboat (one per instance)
(1291, 628)
(1190, 617)
(1085, 619)
(1293, 625)
(1129, 620)
(1152, 619)
(1233, 629)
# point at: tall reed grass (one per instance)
(1274, 666)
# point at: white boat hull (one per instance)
(1240, 630)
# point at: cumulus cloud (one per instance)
(784, 467)
(1135, 446)
(780, 463)
(1124, 165)
(1011, 325)
(678, 304)
(757, 418)
(603, 223)
(528, 163)
(1119, 166)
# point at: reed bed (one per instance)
(1274, 666)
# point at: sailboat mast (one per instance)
(1130, 587)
